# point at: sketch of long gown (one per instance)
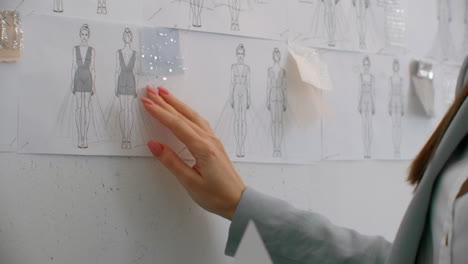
(236, 7)
(196, 10)
(396, 111)
(443, 48)
(58, 6)
(362, 22)
(328, 23)
(277, 105)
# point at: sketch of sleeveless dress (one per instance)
(83, 81)
(443, 48)
(277, 105)
(58, 6)
(126, 81)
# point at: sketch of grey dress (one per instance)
(277, 101)
(396, 107)
(83, 85)
(126, 87)
(58, 6)
(443, 48)
(240, 99)
(102, 7)
(361, 7)
(367, 105)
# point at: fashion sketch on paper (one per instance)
(328, 23)
(361, 7)
(240, 98)
(367, 105)
(81, 116)
(125, 89)
(443, 48)
(102, 7)
(277, 101)
(396, 107)
(58, 6)
(196, 8)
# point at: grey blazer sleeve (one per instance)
(294, 236)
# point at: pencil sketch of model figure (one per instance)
(367, 105)
(102, 7)
(240, 99)
(361, 7)
(83, 84)
(58, 6)
(443, 48)
(330, 20)
(234, 9)
(125, 90)
(196, 7)
(396, 107)
(277, 101)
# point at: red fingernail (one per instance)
(155, 148)
(146, 101)
(163, 91)
(151, 90)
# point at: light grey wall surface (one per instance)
(74, 210)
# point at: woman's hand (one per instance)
(212, 182)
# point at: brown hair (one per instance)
(419, 165)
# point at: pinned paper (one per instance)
(251, 249)
(311, 68)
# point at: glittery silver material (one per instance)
(160, 52)
(18, 41)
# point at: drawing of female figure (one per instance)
(83, 84)
(361, 7)
(367, 105)
(234, 9)
(330, 20)
(395, 107)
(443, 48)
(58, 6)
(240, 98)
(102, 7)
(277, 101)
(125, 90)
(196, 7)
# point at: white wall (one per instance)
(71, 210)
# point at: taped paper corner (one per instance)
(312, 70)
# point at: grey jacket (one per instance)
(293, 236)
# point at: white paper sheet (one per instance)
(9, 88)
(369, 118)
(255, 18)
(53, 119)
(54, 128)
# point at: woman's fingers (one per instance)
(184, 109)
(155, 97)
(176, 124)
(187, 176)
